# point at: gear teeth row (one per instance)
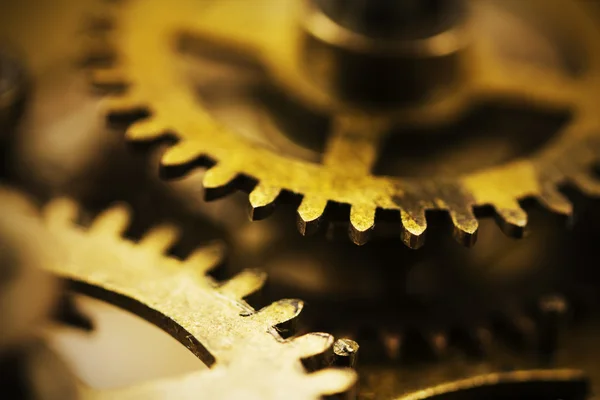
(544, 176)
(535, 331)
(222, 179)
(208, 317)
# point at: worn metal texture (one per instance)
(243, 347)
(425, 323)
(144, 33)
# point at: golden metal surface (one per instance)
(242, 346)
(145, 33)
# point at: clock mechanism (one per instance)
(383, 199)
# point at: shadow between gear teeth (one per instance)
(133, 58)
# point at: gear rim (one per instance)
(270, 177)
(105, 276)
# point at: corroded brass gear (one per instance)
(143, 42)
(240, 344)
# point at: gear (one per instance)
(239, 344)
(561, 364)
(169, 107)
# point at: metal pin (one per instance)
(345, 353)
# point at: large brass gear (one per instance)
(239, 344)
(143, 36)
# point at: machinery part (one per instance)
(168, 107)
(382, 53)
(435, 290)
(239, 344)
(99, 265)
(572, 373)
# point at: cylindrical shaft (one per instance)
(392, 18)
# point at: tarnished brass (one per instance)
(456, 325)
(268, 32)
(242, 346)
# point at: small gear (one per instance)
(560, 364)
(142, 42)
(240, 344)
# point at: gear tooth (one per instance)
(125, 104)
(330, 381)
(61, 211)
(207, 258)
(107, 78)
(362, 223)
(312, 344)
(512, 219)
(146, 130)
(414, 226)
(587, 184)
(181, 153)
(345, 353)
(98, 51)
(438, 342)
(310, 213)
(556, 202)
(465, 227)
(113, 220)
(263, 201)
(219, 181)
(279, 312)
(244, 284)
(159, 239)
